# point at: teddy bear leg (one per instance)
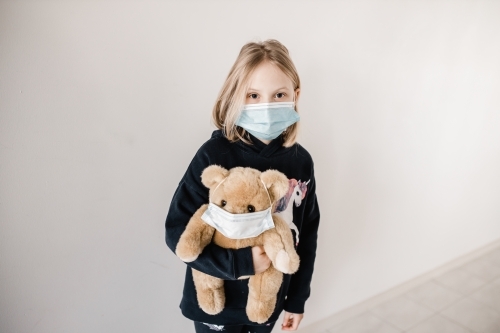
(262, 293)
(209, 291)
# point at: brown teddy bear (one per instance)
(244, 191)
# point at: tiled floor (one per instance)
(464, 300)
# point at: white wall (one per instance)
(103, 105)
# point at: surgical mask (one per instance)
(238, 226)
(267, 120)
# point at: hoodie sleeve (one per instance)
(214, 260)
(299, 288)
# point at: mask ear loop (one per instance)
(215, 189)
(265, 188)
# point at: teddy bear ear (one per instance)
(276, 183)
(213, 175)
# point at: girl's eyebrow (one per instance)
(253, 89)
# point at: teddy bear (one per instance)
(245, 191)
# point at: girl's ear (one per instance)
(276, 184)
(297, 94)
(213, 175)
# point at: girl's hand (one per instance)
(261, 261)
(291, 321)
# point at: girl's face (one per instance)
(269, 84)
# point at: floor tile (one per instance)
(364, 323)
(433, 295)
(489, 295)
(463, 300)
(402, 312)
(473, 315)
(439, 324)
(483, 268)
(493, 257)
(460, 281)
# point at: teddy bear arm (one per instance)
(195, 237)
(272, 244)
(278, 244)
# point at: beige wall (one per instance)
(103, 105)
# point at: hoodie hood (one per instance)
(257, 147)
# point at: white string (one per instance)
(265, 188)
(215, 189)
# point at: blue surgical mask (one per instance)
(267, 120)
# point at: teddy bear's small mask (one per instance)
(238, 226)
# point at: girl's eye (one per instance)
(223, 203)
(280, 95)
(251, 208)
(253, 96)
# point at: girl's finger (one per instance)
(295, 323)
(286, 319)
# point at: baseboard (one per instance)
(353, 311)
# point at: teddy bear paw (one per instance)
(260, 312)
(189, 259)
(285, 264)
(186, 255)
(212, 301)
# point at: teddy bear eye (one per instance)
(251, 208)
(223, 203)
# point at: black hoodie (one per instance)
(299, 209)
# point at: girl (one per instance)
(256, 116)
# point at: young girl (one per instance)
(256, 116)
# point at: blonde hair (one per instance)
(232, 96)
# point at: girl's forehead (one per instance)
(267, 75)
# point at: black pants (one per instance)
(209, 328)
